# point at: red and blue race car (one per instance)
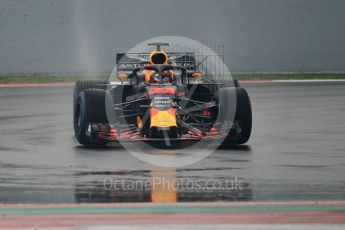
(161, 96)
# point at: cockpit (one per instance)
(156, 67)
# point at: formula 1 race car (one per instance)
(160, 96)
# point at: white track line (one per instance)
(311, 80)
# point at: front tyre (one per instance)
(240, 134)
(91, 107)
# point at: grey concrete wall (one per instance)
(71, 36)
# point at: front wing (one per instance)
(112, 133)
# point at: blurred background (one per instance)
(82, 36)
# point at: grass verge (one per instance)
(49, 78)
(289, 76)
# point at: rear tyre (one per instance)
(79, 86)
(236, 83)
(243, 120)
(91, 107)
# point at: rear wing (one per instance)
(127, 62)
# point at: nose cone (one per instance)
(163, 118)
(162, 111)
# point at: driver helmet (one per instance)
(158, 57)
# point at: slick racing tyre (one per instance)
(91, 107)
(240, 133)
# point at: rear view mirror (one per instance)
(122, 76)
(196, 74)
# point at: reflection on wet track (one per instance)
(159, 185)
(296, 153)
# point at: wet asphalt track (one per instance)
(296, 152)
